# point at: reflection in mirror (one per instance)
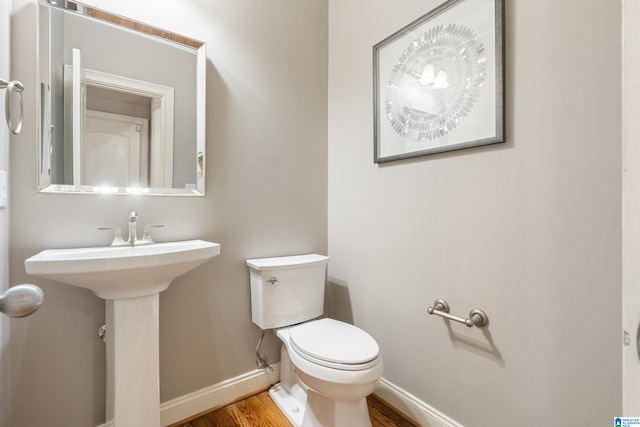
(122, 105)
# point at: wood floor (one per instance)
(260, 411)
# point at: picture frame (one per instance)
(438, 82)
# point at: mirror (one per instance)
(121, 105)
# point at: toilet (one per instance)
(327, 367)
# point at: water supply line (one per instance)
(261, 359)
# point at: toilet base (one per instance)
(325, 412)
(290, 394)
(288, 403)
(305, 408)
(319, 410)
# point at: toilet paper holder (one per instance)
(476, 317)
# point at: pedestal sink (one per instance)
(130, 279)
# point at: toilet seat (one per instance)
(334, 344)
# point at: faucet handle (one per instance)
(117, 240)
(146, 236)
(133, 216)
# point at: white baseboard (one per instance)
(229, 390)
(218, 394)
(199, 401)
(412, 407)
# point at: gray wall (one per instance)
(266, 195)
(529, 231)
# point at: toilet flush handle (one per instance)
(273, 281)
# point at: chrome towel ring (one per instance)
(12, 87)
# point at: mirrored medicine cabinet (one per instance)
(121, 105)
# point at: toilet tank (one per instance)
(287, 290)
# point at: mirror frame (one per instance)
(146, 30)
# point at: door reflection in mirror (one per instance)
(154, 77)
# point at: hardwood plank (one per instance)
(384, 415)
(260, 411)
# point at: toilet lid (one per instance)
(333, 343)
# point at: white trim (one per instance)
(413, 407)
(191, 404)
(78, 106)
(162, 118)
(201, 113)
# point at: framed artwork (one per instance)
(438, 82)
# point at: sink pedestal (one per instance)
(130, 279)
(133, 384)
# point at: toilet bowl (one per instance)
(327, 367)
(336, 366)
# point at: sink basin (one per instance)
(130, 279)
(122, 272)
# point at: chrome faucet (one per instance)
(133, 233)
(132, 240)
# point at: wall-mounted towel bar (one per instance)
(12, 87)
(476, 317)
